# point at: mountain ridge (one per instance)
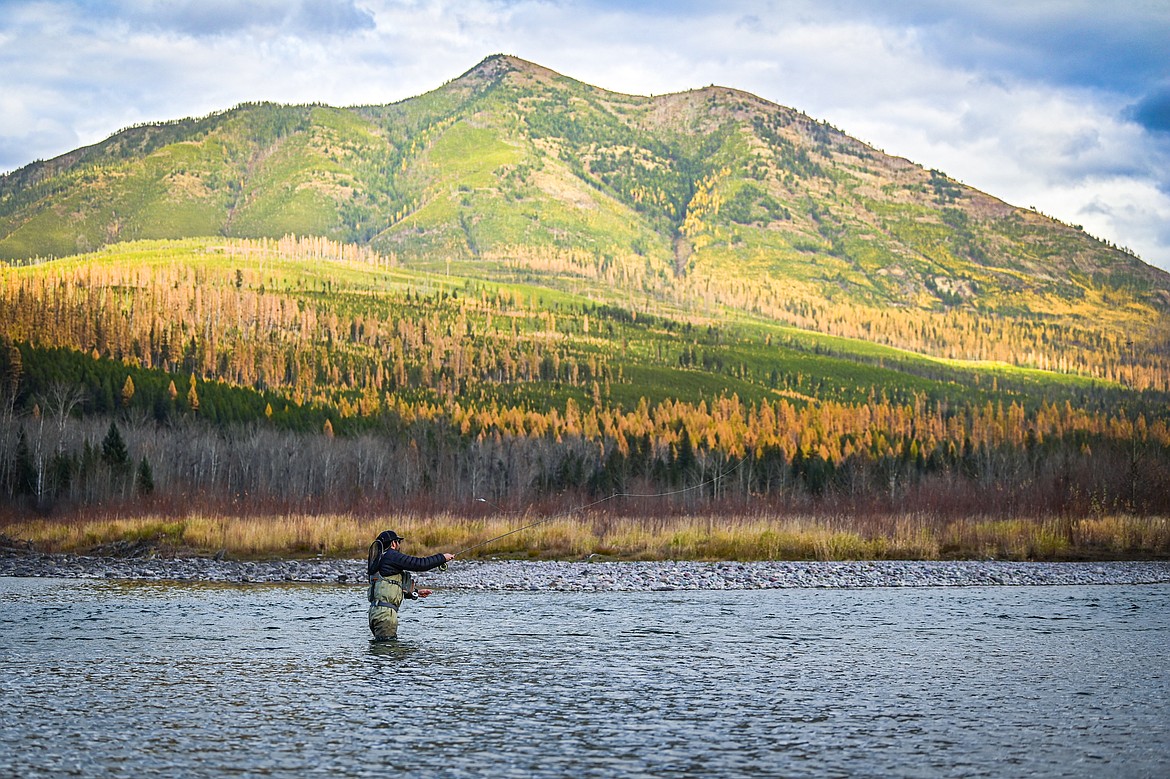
(711, 193)
(524, 287)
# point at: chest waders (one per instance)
(385, 596)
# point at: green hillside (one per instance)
(231, 362)
(525, 283)
(712, 195)
(199, 305)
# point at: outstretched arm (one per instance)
(393, 559)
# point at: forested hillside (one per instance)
(296, 374)
(528, 289)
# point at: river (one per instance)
(120, 678)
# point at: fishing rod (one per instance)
(586, 506)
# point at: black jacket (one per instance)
(393, 562)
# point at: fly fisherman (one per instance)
(390, 581)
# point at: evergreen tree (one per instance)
(61, 470)
(685, 457)
(162, 407)
(25, 473)
(114, 453)
(11, 369)
(104, 397)
(144, 480)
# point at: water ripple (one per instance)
(121, 678)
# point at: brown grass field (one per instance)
(906, 537)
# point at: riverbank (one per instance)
(634, 538)
(593, 575)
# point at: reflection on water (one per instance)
(126, 678)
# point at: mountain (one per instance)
(523, 280)
(755, 205)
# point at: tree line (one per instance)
(251, 380)
(724, 456)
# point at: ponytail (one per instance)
(375, 556)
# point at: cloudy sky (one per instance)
(1060, 105)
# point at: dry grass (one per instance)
(647, 538)
(1111, 537)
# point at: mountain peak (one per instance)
(513, 159)
(496, 65)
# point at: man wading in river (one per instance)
(390, 581)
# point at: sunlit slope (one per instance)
(318, 323)
(709, 201)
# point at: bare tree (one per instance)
(59, 401)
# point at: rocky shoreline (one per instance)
(593, 575)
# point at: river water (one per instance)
(107, 678)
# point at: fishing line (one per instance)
(715, 479)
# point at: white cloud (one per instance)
(1065, 154)
(1122, 206)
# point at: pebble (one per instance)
(592, 575)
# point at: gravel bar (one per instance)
(592, 576)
